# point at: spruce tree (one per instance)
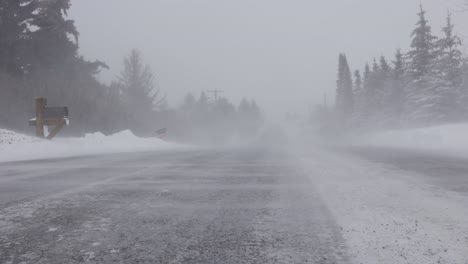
(358, 97)
(189, 102)
(344, 91)
(52, 48)
(449, 61)
(138, 89)
(423, 90)
(14, 34)
(397, 96)
(422, 53)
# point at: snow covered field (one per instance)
(448, 139)
(18, 147)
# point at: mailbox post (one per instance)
(41, 103)
(48, 116)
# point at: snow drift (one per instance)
(18, 147)
(448, 139)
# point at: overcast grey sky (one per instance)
(284, 53)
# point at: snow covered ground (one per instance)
(389, 215)
(18, 147)
(449, 139)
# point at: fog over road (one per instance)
(208, 206)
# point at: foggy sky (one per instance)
(284, 53)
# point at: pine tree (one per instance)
(375, 93)
(423, 48)
(137, 84)
(359, 99)
(397, 95)
(392, 102)
(366, 95)
(423, 91)
(449, 61)
(244, 108)
(52, 48)
(384, 66)
(14, 31)
(203, 100)
(189, 102)
(344, 91)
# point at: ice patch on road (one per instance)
(18, 147)
(390, 216)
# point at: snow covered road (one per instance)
(243, 205)
(212, 206)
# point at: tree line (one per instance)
(424, 86)
(39, 57)
(212, 120)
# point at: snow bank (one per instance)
(18, 147)
(389, 216)
(451, 139)
(8, 137)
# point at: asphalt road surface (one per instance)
(199, 206)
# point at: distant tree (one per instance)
(397, 95)
(203, 99)
(386, 69)
(244, 108)
(422, 90)
(375, 92)
(256, 111)
(422, 53)
(344, 90)
(449, 60)
(139, 93)
(359, 99)
(189, 102)
(357, 81)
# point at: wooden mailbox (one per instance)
(56, 117)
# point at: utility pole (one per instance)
(216, 93)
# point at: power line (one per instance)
(216, 93)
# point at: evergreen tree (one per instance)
(449, 64)
(423, 92)
(359, 99)
(357, 82)
(203, 101)
(384, 66)
(14, 30)
(52, 48)
(244, 108)
(255, 111)
(344, 91)
(375, 93)
(137, 84)
(189, 102)
(397, 95)
(422, 54)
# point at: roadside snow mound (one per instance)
(10, 137)
(28, 148)
(452, 138)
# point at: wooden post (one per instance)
(40, 105)
(57, 128)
